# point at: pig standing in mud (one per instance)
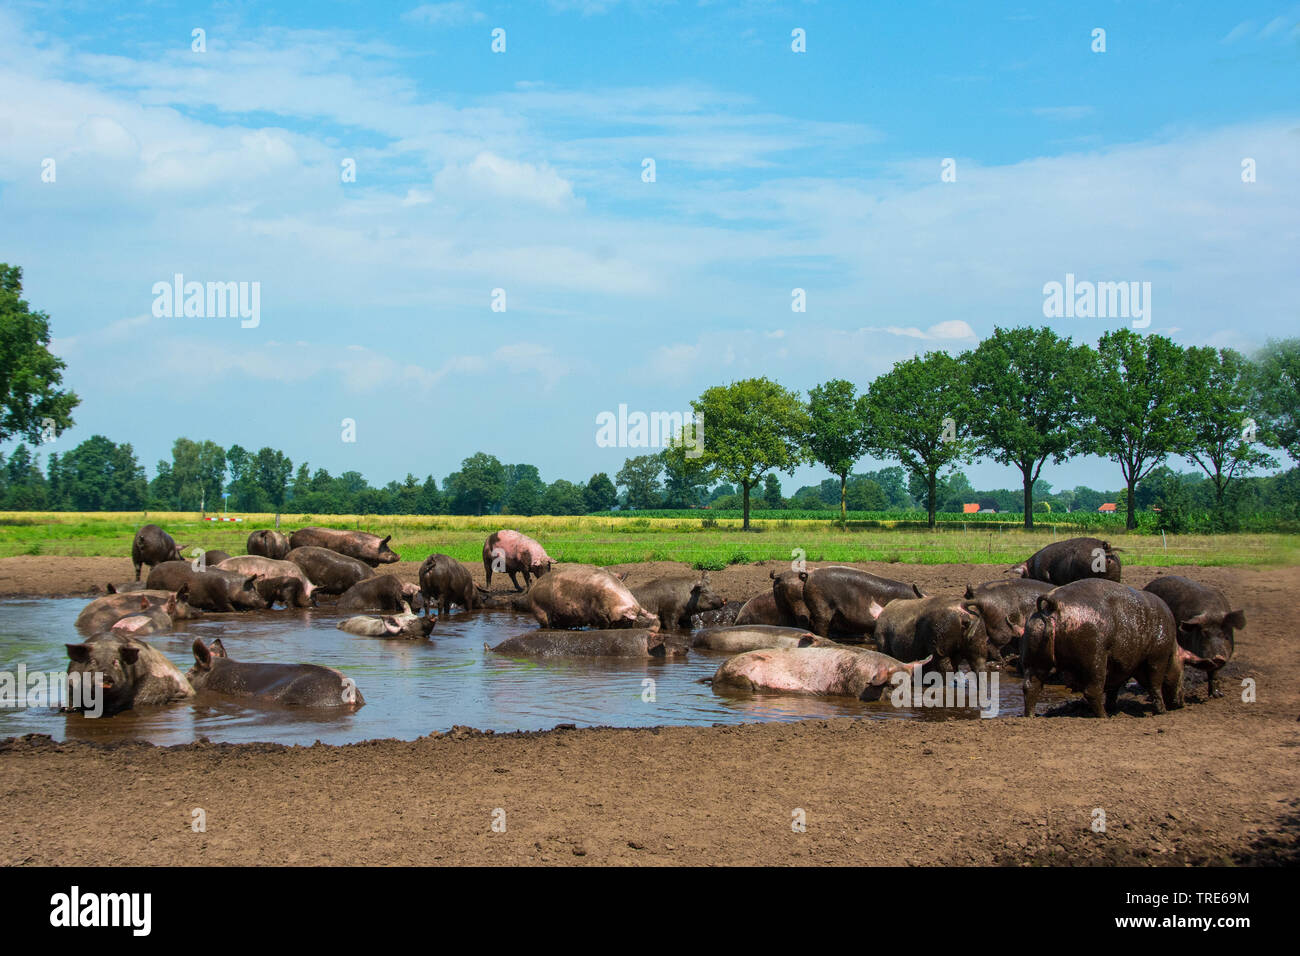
(840, 598)
(512, 553)
(1073, 559)
(152, 546)
(131, 672)
(828, 671)
(619, 642)
(102, 613)
(444, 581)
(1098, 634)
(268, 544)
(370, 548)
(289, 685)
(330, 571)
(1004, 607)
(937, 627)
(1206, 623)
(675, 598)
(577, 595)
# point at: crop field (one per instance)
(705, 542)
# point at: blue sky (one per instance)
(522, 171)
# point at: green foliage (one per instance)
(31, 403)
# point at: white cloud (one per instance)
(492, 176)
(954, 329)
(444, 14)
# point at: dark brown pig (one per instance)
(512, 553)
(675, 598)
(370, 548)
(577, 595)
(152, 545)
(444, 582)
(1206, 622)
(1073, 559)
(723, 616)
(211, 590)
(288, 685)
(841, 599)
(269, 544)
(763, 609)
(619, 642)
(829, 671)
(787, 601)
(380, 592)
(1098, 634)
(937, 627)
(133, 673)
(212, 558)
(286, 590)
(331, 571)
(1005, 606)
(102, 613)
(270, 569)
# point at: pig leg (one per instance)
(137, 572)
(514, 580)
(819, 622)
(1102, 701)
(1033, 687)
(1156, 683)
(487, 570)
(1212, 684)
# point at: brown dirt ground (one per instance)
(1217, 782)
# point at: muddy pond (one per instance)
(413, 688)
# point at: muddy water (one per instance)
(411, 688)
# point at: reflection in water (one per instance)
(411, 688)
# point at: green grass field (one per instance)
(626, 539)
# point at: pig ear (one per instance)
(218, 649)
(1235, 619)
(184, 592)
(970, 592)
(772, 575)
(202, 656)
(970, 607)
(144, 604)
(78, 652)
(129, 653)
(110, 588)
(875, 610)
(385, 541)
(803, 575)
(1200, 620)
(1046, 604)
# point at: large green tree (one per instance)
(1026, 403)
(837, 431)
(1279, 393)
(640, 476)
(99, 475)
(917, 413)
(479, 486)
(752, 427)
(31, 403)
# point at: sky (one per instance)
(523, 171)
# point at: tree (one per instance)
(198, 473)
(479, 486)
(1134, 403)
(917, 412)
(99, 475)
(524, 490)
(772, 498)
(1026, 405)
(1279, 393)
(837, 431)
(865, 495)
(752, 427)
(640, 476)
(1223, 442)
(686, 473)
(563, 498)
(600, 493)
(31, 403)
(271, 470)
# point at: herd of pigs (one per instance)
(1063, 618)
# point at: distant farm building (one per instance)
(1108, 507)
(970, 509)
(988, 506)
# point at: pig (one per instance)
(828, 671)
(514, 600)
(787, 602)
(1098, 634)
(583, 596)
(763, 609)
(212, 558)
(1206, 623)
(405, 625)
(619, 642)
(1073, 559)
(149, 620)
(102, 613)
(841, 598)
(269, 569)
(370, 548)
(512, 553)
(152, 545)
(444, 581)
(268, 544)
(756, 637)
(723, 616)
(288, 685)
(211, 590)
(133, 673)
(675, 598)
(286, 590)
(330, 571)
(381, 592)
(123, 588)
(940, 628)
(1004, 606)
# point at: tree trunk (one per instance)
(745, 525)
(1029, 500)
(931, 503)
(844, 481)
(1131, 521)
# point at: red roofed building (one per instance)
(1108, 507)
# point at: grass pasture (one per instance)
(705, 542)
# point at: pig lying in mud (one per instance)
(763, 609)
(406, 625)
(1073, 559)
(840, 599)
(512, 553)
(133, 673)
(212, 590)
(619, 642)
(676, 597)
(756, 637)
(940, 628)
(1206, 623)
(270, 570)
(1098, 634)
(152, 545)
(723, 616)
(143, 623)
(288, 685)
(330, 571)
(382, 592)
(370, 548)
(577, 595)
(268, 544)
(102, 613)
(1004, 607)
(826, 671)
(445, 582)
